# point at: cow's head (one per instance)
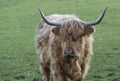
(72, 33)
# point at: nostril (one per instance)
(70, 52)
(66, 52)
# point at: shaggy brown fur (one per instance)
(51, 42)
(73, 28)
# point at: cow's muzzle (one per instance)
(69, 53)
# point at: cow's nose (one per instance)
(69, 53)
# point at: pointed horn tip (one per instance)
(99, 18)
(40, 10)
(47, 21)
(106, 7)
(41, 13)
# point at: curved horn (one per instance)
(49, 22)
(98, 20)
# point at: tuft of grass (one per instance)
(18, 21)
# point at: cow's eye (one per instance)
(80, 36)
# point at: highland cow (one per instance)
(64, 46)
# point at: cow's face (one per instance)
(71, 48)
(72, 35)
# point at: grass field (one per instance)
(18, 21)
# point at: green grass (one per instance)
(18, 21)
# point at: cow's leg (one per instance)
(46, 72)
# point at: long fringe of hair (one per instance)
(73, 28)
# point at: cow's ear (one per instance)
(89, 30)
(56, 30)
